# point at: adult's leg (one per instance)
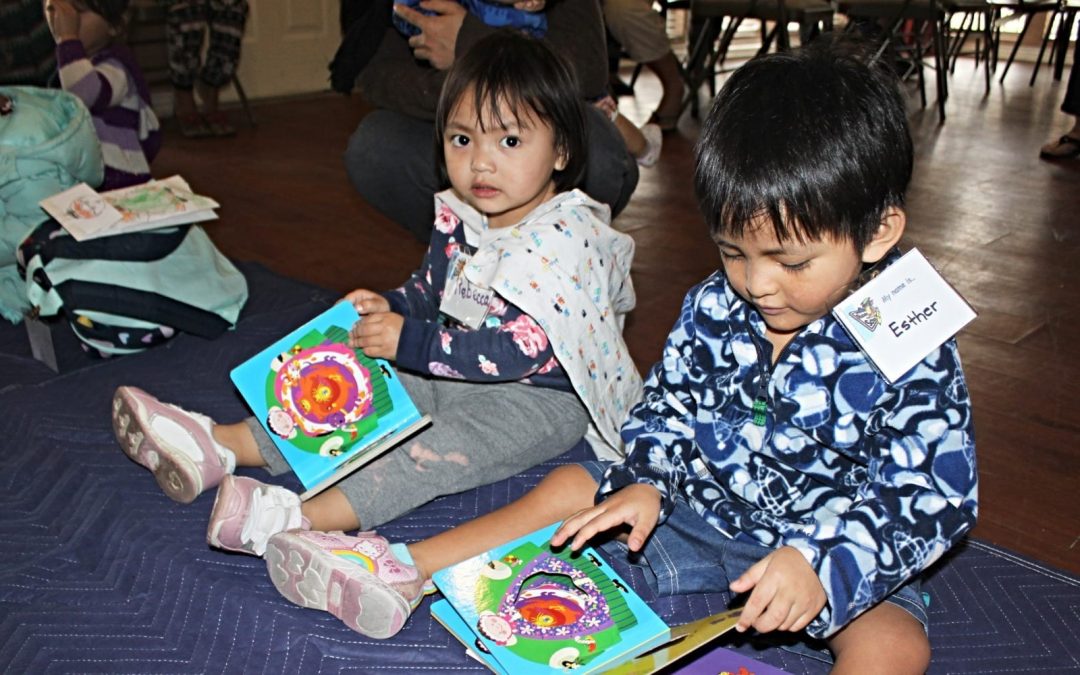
(611, 174)
(226, 20)
(184, 26)
(641, 32)
(390, 160)
(1068, 144)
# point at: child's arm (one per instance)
(509, 352)
(416, 297)
(635, 505)
(99, 87)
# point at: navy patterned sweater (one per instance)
(870, 481)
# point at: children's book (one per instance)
(328, 407)
(88, 214)
(686, 653)
(525, 607)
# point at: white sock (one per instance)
(273, 509)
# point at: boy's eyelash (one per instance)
(797, 266)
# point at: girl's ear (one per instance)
(887, 235)
(561, 161)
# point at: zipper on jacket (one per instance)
(765, 370)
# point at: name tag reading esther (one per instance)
(903, 314)
(463, 300)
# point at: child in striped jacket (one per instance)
(106, 78)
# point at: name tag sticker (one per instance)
(903, 314)
(463, 300)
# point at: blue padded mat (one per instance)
(100, 572)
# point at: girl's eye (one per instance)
(459, 140)
(511, 142)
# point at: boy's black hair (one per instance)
(532, 80)
(115, 12)
(815, 140)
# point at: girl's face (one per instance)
(73, 19)
(503, 170)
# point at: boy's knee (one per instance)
(885, 639)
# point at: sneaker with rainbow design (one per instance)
(362, 580)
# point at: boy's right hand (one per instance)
(636, 505)
(63, 20)
(367, 302)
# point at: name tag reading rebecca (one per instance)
(903, 314)
(463, 300)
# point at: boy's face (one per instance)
(790, 283)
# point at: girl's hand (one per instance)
(378, 334)
(787, 593)
(63, 20)
(635, 505)
(367, 302)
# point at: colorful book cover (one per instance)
(329, 408)
(527, 608)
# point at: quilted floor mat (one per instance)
(100, 572)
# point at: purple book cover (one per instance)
(719, 661)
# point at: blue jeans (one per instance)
(685, 554)
(390, 160)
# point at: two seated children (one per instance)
(767, 457)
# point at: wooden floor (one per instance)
(1002, 225)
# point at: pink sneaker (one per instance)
(176, 445)
(357, 579)
(247, 513)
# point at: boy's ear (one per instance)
(887, 235)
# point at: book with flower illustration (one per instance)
(525, 607)
(328, 407)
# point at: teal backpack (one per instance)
(126, 293)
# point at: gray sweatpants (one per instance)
(479, 434)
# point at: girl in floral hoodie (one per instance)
(509, 336)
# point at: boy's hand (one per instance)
(367, 302)
(636, 505)
(787, 593)
(378, 334)
(438, 32)
(63, 20)
(530, 5)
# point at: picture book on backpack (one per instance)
(524, 607)
(328, 407)
(88, 214)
